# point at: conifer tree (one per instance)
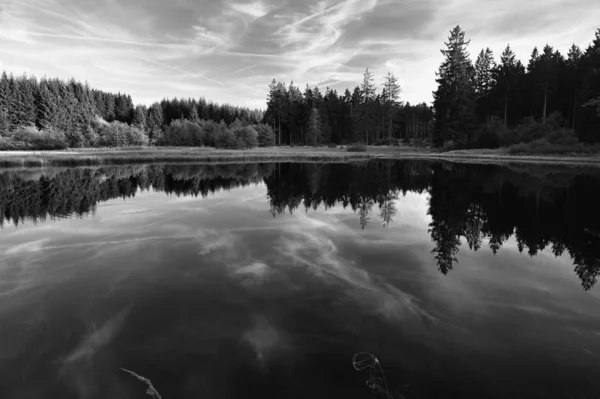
(453, 99)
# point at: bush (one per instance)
(118, 134)
(562, 136)
(488, 135)
(529, 131)
(210, 130)
(265, 135)
(226, 139)
(448, 146)
(30, 138)
(184, 133)
(246, 137)
(358, 147)
(544, 147)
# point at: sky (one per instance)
(229, 51)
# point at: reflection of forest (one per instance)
(488, 204)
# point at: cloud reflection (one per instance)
(309, 242)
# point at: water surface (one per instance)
(263, 280)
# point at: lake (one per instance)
(264, 280)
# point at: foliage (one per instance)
(490, 134)
(545, 147)
(454, 97)
(358, 147)
(30, 138)
(226, 139)
(265, 135)
(119, 134)
(246, 137)
(551, 92)
(183, 133)
(449, 145)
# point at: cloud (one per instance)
(229, 52)
(255, 9)
(254, 273)
(97, 339)
(310, 243)
(27, 247)
(264, 339)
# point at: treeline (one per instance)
(52, 113)
(474, 206)
(553, 99)
(314, 118)
(490, 103)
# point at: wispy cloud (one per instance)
(309, 242)
(157, 49)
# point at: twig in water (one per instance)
(151, 391)
(363, 361)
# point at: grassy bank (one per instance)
(138, 155)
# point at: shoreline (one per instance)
(137, 155)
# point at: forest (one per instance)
(481, 104)
(554, 100)
(470, 207)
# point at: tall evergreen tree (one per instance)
(392, 93)
(139, 116)
(314, 132)
(507, 76)
(453, 99)
(484, 82)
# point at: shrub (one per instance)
(562, 136)
(118, 134)
(358, 147)
(184, 133)
(226, 139)
(265, 135)
(246, 137)
(210, 130)
(448, 146)
(488, 135)
(529, 131)
(30, 138)
(544, 147)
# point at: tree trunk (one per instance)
(390, 129)
(574, 108)
(545, 103)
(505, 109)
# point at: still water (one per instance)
(263, 280)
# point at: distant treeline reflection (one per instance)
(478, 205)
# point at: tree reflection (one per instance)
(483, 205)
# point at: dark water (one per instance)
(263, 281)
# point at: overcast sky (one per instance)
(230, 51)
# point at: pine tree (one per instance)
(154, 121)
(123, 108)
(366, 110)
(139, 116)
(45, 107)
(392, 93)
(506, 77)
(453, 100)
(573, 65)
(109, 107)
(484, 82)
(314, 131)
(4, 93)
(194, 117)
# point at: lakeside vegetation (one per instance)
(551, 106)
